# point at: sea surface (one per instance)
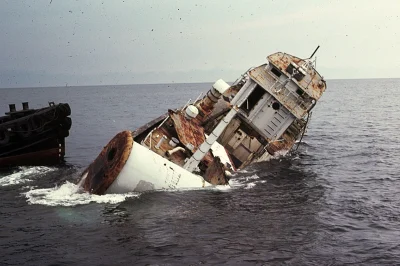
(336, 201)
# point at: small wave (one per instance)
(223, 187)
(280, 154)
(246, 182)
(21, 176)
(70, 194)
(250, 185)
(247, 178)
(245, 171)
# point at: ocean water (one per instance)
(335, 201)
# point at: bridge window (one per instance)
(254, 97)
(276, 72)
(300, 92)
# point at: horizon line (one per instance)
(128, 84)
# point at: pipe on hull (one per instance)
(134, 168)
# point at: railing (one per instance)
(288, 98)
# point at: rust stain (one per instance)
(276, 146)
(189, 133)
(206, 107)
(215, 173)
(102, 172)
(288, 138)
(314, 85)
(155, 137)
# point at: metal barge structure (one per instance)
(34, 136)
(261, 115)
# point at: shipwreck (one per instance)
(261, 115)
(31, 137)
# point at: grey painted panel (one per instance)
(272, 122)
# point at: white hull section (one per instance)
(219, 150)
(145, 170)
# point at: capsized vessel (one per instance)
(261, 115)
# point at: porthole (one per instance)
(276, 106)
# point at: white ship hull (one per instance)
(146, 170)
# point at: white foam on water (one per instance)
(70, 194)
(243, 182)
(246, 182)
(279, 154)
(247, 178)
(236, 183)
(248, 171)
(252, 177)
(22, 175)
(250, 185)
(221, 187)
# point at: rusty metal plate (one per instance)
(215, 173)
(190, 133)
(102, 172)
(286, 143)
(312, 83)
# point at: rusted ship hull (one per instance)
(34, 137)
(259, 116)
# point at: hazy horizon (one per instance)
(130, 84)
(90, 43)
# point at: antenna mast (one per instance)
(314, 52)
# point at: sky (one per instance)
(109, 42)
